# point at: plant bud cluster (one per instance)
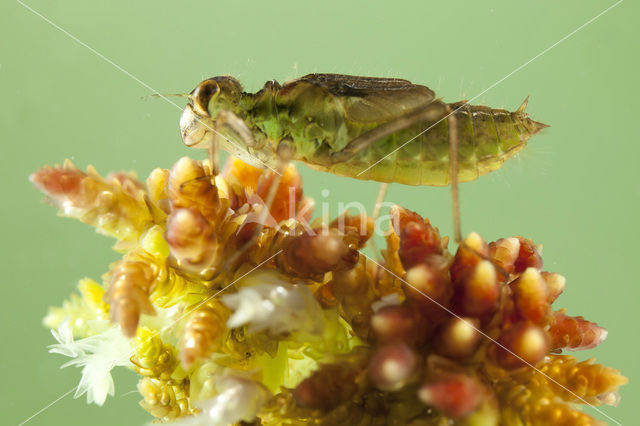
(282, 322)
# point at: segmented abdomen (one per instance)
(486, 138)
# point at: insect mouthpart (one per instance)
(195, 130)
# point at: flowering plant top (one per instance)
(303, 328)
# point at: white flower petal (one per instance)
(389, 300)
(97, 355)
(274, 304)
(239, 400)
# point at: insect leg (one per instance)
(455, 194)
(236, 124)
(432, 114)
(381, 193)
(453, 174)
(376, 211)
(285, 154)
(214, 155)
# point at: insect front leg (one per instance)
(285, 154)
(228, 119)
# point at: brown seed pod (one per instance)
(504, 253)
(420, 243)
(455, 395)
(152, 358)
(399, 323)
(203, 332)
(164, 399)
(156, 189)
(472, 250)
(574, 333)
(531, 296)
(241, 174)
(329, 386)
(64, 184)
(115, 210)
(401, 217)
(128, 293)
(192, 240)
(579, 379)
(566, 378)
(362, 223)
(520, 405)
(556, 284)
(428, 289)
(520, 345)
(352, 282)
(189, 187)
(354, 291)
(458, 337)
(393, 366)
(128, 181)
(252, 185)
(528, 257)
(478, 293)
(308, 255)
(288, 195)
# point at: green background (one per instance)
(575, 188)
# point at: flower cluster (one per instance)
(228, 321)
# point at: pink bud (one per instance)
(393, 366)
(455, 396)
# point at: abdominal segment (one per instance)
(486, 138)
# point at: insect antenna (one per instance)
(164, 95)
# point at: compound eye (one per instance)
(202, 96)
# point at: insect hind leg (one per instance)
(376, 212)
(432, 114)
(455, 194)
(453, 173)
